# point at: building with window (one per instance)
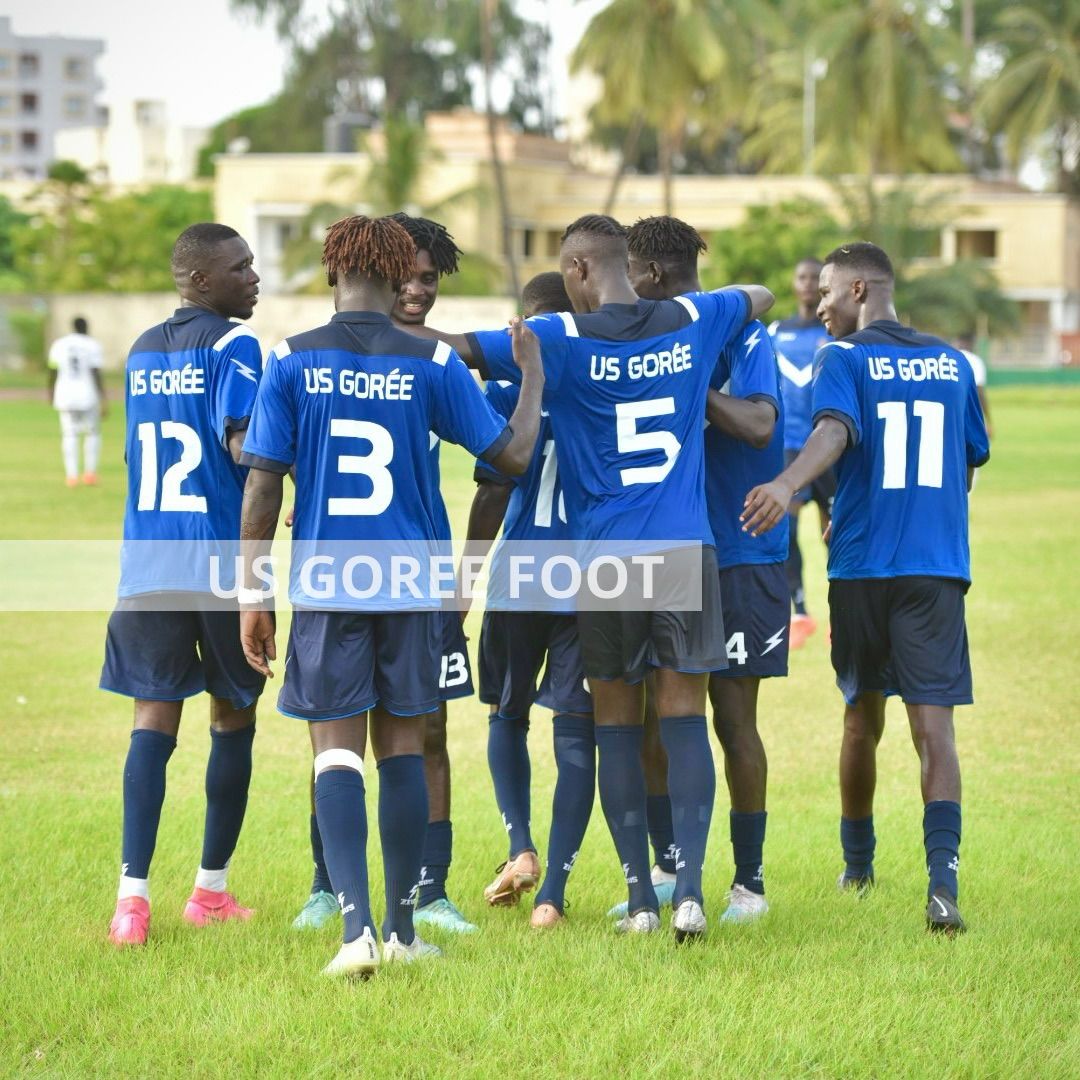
(46, 84)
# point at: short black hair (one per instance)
(194, 245)
(545, 292)
(664, 238)
(863, 258)
(79, 325)
(595, 225)
(433, 238)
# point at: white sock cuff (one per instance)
(338, 758)
(213, 880)
(132, 886)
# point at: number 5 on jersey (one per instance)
(630, 440)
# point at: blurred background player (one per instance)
(513, 648)
(898, 413)
(796, 341)
(436, 255)
(78, 395)
(743, 446)
(966, 344)
(353, 655)
(185, 485)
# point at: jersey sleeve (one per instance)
(978, 367)
(494, 351)
(836, 391)
(239, 366)
(977, 442)
(464, 416)
(753, 366)
(95, 358)
(502, 396)
(270, 443)
(722, 313)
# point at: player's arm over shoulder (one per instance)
(758, 298)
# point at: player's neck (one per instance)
(807, 312)
(199, 302)
(615, 290)
(877, 311)
(683, 286)
(363, 297)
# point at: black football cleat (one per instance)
(860, 885)
(942, 914)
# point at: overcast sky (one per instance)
(206, 62)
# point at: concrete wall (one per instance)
(117, 320)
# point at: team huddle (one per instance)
(628, 409)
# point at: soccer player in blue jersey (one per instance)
(743, 446)
(191, 384)
(513, 648)
(796, 341)
(898, 413)
(627, 381)
(436, 256)
(350, 406)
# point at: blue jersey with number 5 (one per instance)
(626, 388)
(914, 424)
(191, 382)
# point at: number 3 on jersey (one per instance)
(372, 465)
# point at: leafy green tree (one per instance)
(11, 222)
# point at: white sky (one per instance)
(205, 61)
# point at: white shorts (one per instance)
(80, 421)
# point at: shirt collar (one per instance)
(372, 318)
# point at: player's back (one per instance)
(910, 403)
(190, 381)
(74, 358)
(796, 342)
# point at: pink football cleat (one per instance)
(205, 906)
(131, 921)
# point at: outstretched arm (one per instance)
(458, 342)
(761, 299)
(766, 505)
(258, 522)
(750, 422)
(485, 519)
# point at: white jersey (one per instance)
(75, 357)
(978, 367)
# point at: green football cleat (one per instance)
(320, 908)
(442, 914)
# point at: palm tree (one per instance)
(1037, 92)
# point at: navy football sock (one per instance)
(339, 805)
(857, 839)
(144, 792)
(661, 833)
(508, 760)
(435, 865)
(228, 774)
(793, 567)
(747, 840)
(403, 814)
(320, 882)
(621, 780)
(571, 805)
(941, 834)
(692, 786)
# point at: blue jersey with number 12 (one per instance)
(915, 425)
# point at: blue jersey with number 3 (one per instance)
(191, 381)
(626, 388)
(915, 425)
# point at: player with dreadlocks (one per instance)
(436, 255)
(350, 406)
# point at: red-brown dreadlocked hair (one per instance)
(379, 247)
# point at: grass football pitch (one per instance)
(826, 985)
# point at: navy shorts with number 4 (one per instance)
(171, 655)
(341, 663)
(756, 604)
(902, 635)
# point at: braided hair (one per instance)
(379, 247)
(665, 239)
(433, 238)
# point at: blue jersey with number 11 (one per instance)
(915, 425)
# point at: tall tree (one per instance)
(1036, 95)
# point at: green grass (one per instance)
(826, 986)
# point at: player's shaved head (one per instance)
(360, 246)
(863, 259)
(433, 238)
(593, 261)
(197, 245)
(543, 294)
(855, 288)
(663, 256)
(80, 325)
(595, 231)
(212, 267)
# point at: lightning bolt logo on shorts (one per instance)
(772, 642)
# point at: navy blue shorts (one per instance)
(629, 644)
(820, 490)
(513, 646)
(172, 655)
(902, 635)
(757, 605)
(341, 663)
(455, 671)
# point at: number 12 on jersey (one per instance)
(931, 415)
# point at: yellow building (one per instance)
(1031, 240)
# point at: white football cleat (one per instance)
(689, 920)
(356, 959)
(641, 922)
(394, 952)
(744, 905)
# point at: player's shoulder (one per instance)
(887, 333)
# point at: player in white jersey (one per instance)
(78, 395)
(966, 344)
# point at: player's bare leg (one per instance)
(399, 744)
(734, 703)
(618, 708)
(153, 739)
(864, 723)
(680, 704)
(433, 905)
(935, 741)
